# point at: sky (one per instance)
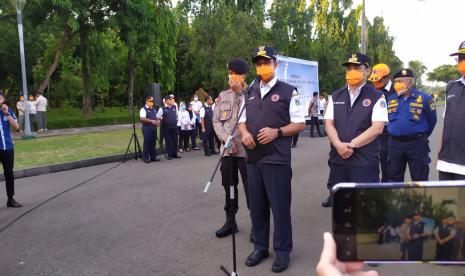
(426, 30)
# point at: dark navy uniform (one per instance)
(170, 130)
(411, 121)
(149, 131)
(270, 178)
(208, 137)
(444, 252)
(415, 246)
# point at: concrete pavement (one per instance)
(153, 219)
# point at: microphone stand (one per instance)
(232, 194)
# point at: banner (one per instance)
(300, 73)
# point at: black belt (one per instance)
(404, 138)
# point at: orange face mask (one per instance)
(266, 71)
(461, 67)
(354, 77)
(400, 87)
(149, 104)
(378, 85)
(234, 78)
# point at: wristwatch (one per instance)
(280, 133)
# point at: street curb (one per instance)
(65, 166)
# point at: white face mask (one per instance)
(183, 107)
(196, 99)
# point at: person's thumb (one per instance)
(328, 255)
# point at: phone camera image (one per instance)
(402, 224)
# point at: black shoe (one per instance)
(280, 264)
(293, 146)
(155, 160)
(168, 158)
(196, 148)
(256, 257)
(177, 156)
(146, 160)
(328, 202)
(227, 229)
(13, 204)
(208, 154)
(252, 236)
(215, 152)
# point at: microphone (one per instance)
(249, 88)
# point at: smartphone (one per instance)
(400, 222)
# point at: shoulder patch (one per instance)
(432, 105)
(382, 103)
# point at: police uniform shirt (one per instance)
(6, 140)
(296, 111)
(379, 113)
(444, 166)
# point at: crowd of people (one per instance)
(361, 121)
(37, 112)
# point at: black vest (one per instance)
(444, 231)
(170, 119)
(352, 121)
(271, 111)
(208, 115)
(453, 142)
(150, 114)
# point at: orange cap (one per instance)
(378, 72)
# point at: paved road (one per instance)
(133, 221)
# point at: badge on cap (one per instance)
(275, 98)
(353, 58)
(366, 102)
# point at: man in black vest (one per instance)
(273, 115)
(148, 118)
(451, 160)
(208, 133)
(380, 78)
(169, 115)
(444, 235)
(355, 117)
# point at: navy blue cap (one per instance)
(263, 52)
(357, 58)
(238, 66)
(404, 73)
(460, 51)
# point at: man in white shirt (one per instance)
(21, 106)
(41, 103)
(354, 118)
(32, 111)
(196, 132)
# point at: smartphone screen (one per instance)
(400, 222)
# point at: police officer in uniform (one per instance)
(451, 160)
(225, 117)
(7, 155)
(444, 235)
(273, 115)
(208, 134)
(416, 238)
(412, 117)
(169, 116)
(354, 118)
(148, 118)
(380, 78)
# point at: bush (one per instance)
(71, 118)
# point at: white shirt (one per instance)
(143, 113)
(296, 110)
(32, 107)
(321, 104)
(185, 120)
(202, 110)
(196, 106)
(388, 86)
(444, 166)
(41, 103)
(20, 106)
(379, 110)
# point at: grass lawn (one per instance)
(60, 149)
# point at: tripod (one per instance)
(137, 151)
(232, 197)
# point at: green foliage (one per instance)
(70, 117)
(444, 73)
(419, 70)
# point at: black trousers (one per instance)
(314, 123)
(171, 141)
(208, 140)
(150, 139)
(450, 176)
(184, 136)
(383, 157)
(415, 153)
(230, 168)
(7, 157)
(295, 138)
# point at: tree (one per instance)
(444, 73)
(419, 70)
